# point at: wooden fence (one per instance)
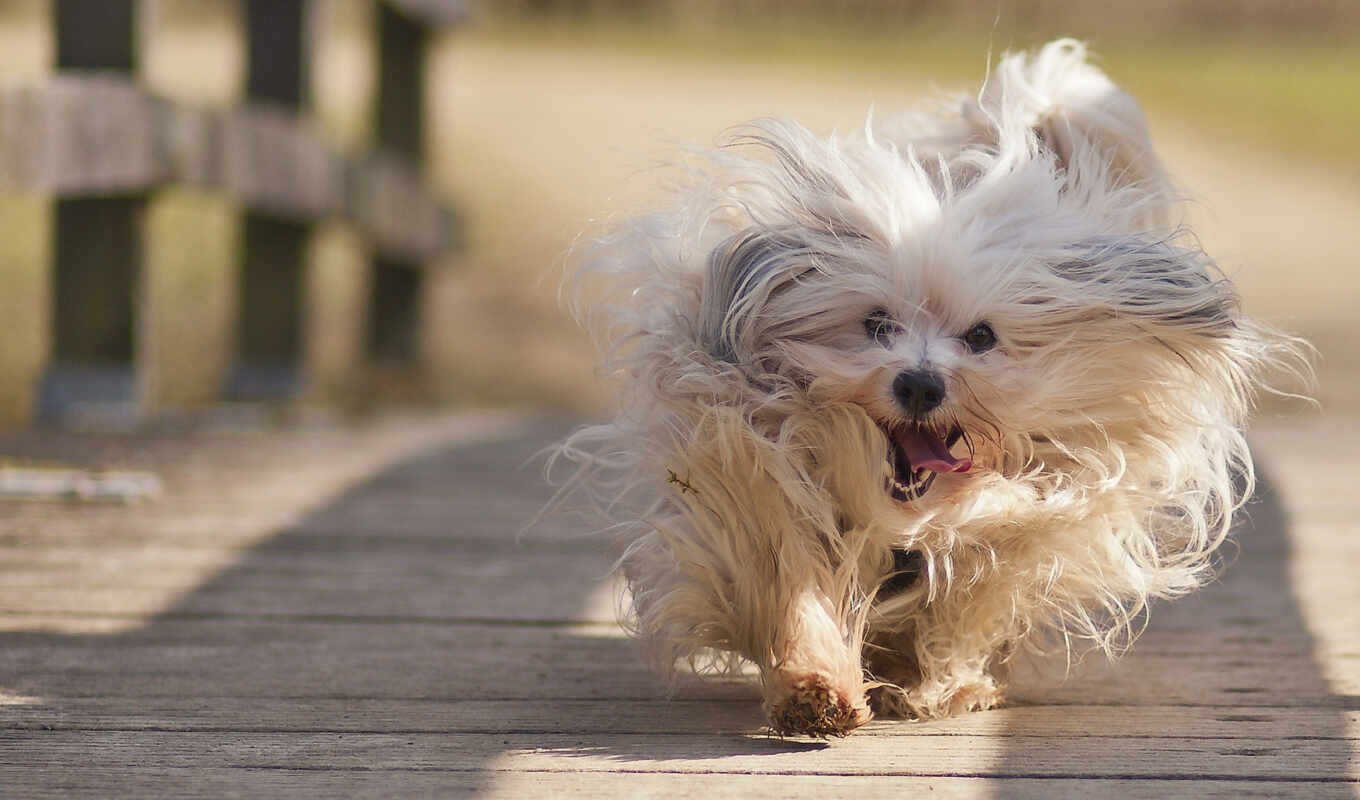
(95, 139)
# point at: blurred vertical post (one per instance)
(270, 285)
(92, 372)
(395, 286)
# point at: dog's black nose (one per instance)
(919, 391)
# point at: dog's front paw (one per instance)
(935, 702)
(888, 700)
(811, 705)
(979, 696)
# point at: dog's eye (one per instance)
(980, 338)
(880, 327)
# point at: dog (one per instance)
(900, 406)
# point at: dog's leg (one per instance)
(808, 657)
(946, 681)
(815, 686)
(958, 687)
(890, 657)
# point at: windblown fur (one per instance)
(758, 330)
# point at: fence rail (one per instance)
(80, 135)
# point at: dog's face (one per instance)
(1017, 323)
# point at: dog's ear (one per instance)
(1153, 282)
(1092, 127)
(742, 273)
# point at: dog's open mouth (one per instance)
(916, 456)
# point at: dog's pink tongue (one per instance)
(926, 451)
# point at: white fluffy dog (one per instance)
(896, 406)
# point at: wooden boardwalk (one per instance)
(347, 613)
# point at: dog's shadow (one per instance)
(406, 606)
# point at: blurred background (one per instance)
(344, 204)
(233, 231)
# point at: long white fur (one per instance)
(744, 471)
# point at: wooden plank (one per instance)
(1093, 756)
(149, 781)
(389, 199)
(693, 716)
(445, 655)
(360, 715)
(456, 594)
(509, 784)
(190, 145)
(562, 587)
(303, 656)
(80, 135)
(397, 563)
(274, 162)
(308, 562)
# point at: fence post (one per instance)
(270, 284)
(393, 338)
(92, 373)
